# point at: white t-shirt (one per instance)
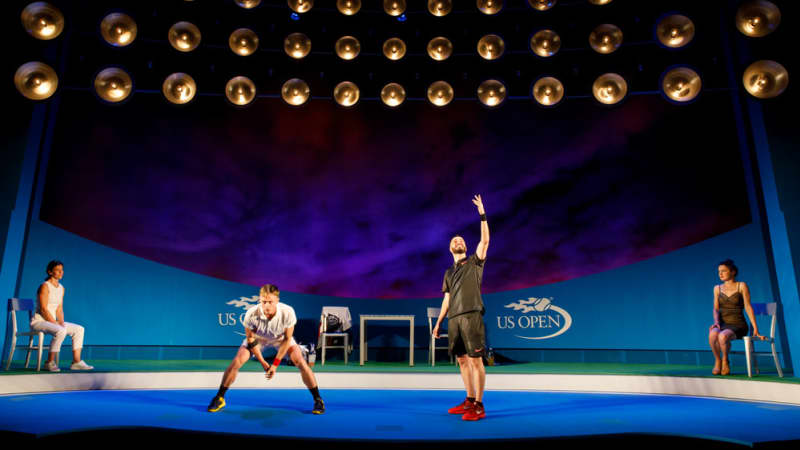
(270, 332)
(55, 296)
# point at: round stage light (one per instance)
(394, 7)
(348, 47)
(118, 29)
(393, 95)
(348, 7)
(545, 43)
(548, 91)
(295, 92)
(42, 21)
(491, 93)
(184, 36)
(179, 88)
(440, 93)
(248, 4)
(346, 93)
(491, 47)
(609, 88)
(542, 5)
(36, 80)
(440, 48)
(113, 84)
(490, 7)
(605, 38)
(758, 18)
(600, 2)
(681, 84)
(440, 7)
(765, 79)
(300, 6)
(243, 42)
(394, 49)
(675, 31)
(240, 90)
(297, 45)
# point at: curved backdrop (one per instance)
(607, 223)
(660, 303)
(361, 203)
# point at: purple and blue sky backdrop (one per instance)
(362, 202)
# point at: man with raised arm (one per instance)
(463, 306)
(270, 323)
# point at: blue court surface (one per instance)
(400, 415)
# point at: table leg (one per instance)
(361, 343)
(411, 345)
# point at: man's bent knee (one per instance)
(242, 356)
(476, 361)
(296, 355)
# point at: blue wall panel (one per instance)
(661, 303)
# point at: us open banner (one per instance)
(536, 319)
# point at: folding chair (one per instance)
(342, 315)
(762, 309)
(23, 304)
(433, 316)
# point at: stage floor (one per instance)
(407, 415)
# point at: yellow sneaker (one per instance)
(216, 404)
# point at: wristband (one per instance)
(483, 217)
(276, 362)
(250, 345)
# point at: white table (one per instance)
(363, 334)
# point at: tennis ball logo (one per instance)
(542, 304)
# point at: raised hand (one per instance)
(479, 203)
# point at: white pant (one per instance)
(59, 333)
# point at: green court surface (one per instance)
(219, 365)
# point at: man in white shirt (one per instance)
(270, 323)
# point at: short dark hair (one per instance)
(731, 266)
(52, 265)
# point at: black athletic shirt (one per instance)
(463, 281)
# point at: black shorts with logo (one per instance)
(466, 334)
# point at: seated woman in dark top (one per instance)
(731, 298)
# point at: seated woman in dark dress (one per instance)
(731, 299)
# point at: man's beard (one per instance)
(459, 250)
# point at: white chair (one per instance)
(342, 314)
(762, 309)
(433, 316)
(23, 304)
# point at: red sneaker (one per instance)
(476, 413)
(462, 408)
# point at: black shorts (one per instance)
(466, 334)
(740, 330)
